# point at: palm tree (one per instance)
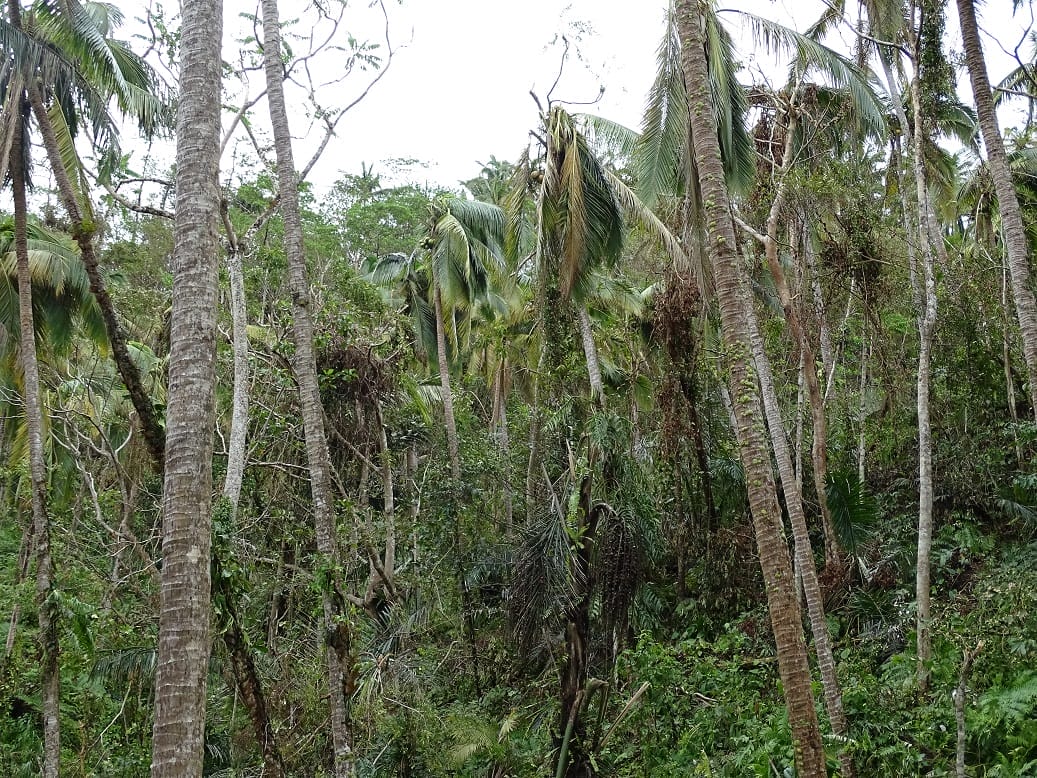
(774, 560)
(69, 70)
(184, 634)
(464, 244)
(1016, 245)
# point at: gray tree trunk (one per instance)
(453, 445)
(590, 352)
(337, 625)
(178, 745)
(236, 444)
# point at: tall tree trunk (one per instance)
(178, 745)
(453, 446)
(338, 627)
(242, 663)
(804, 552)
(48, 627)
(774, 558)
(236, 444)
(83, 233)
(1007, 200)
(931, 241)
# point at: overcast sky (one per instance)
(458, 88)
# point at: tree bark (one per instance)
(929, 236)
(774, 558)
(48, 627)
(590, 352)
(184, 621)
(337, 624)
(1007, 199)
(239, 409)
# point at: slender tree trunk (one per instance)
(242, 663)
(339, 630)
(239, 408)
(861, 412)
(819, 448)
(806, 568)
(48, 627)
(178, 745)
(83, 233)
(931, 241)
(774, 559)
(1007, 199)
(453, 446)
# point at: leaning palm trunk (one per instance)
(804, 552)
(178, 744)
(1007, 199)
(336, 620)
(784, 609)
(48, 628)
(83, 233)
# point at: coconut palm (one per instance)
(1016, 244)
(774, 559)
(69, 69)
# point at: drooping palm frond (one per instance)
(812, 56)
(545, 581)
(581, 220)
(664, 158)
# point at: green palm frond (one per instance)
(854, 511)
(70, 158)
(637, 211)
(729, 106)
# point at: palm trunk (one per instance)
(48, 627)
(774, 559)
(453, 446)
(806, 568)
(184, 620)
(338, 627)
(1007, 199)
(83, 232)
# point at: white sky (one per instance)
(458, 91)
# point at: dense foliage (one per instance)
(548, 563)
